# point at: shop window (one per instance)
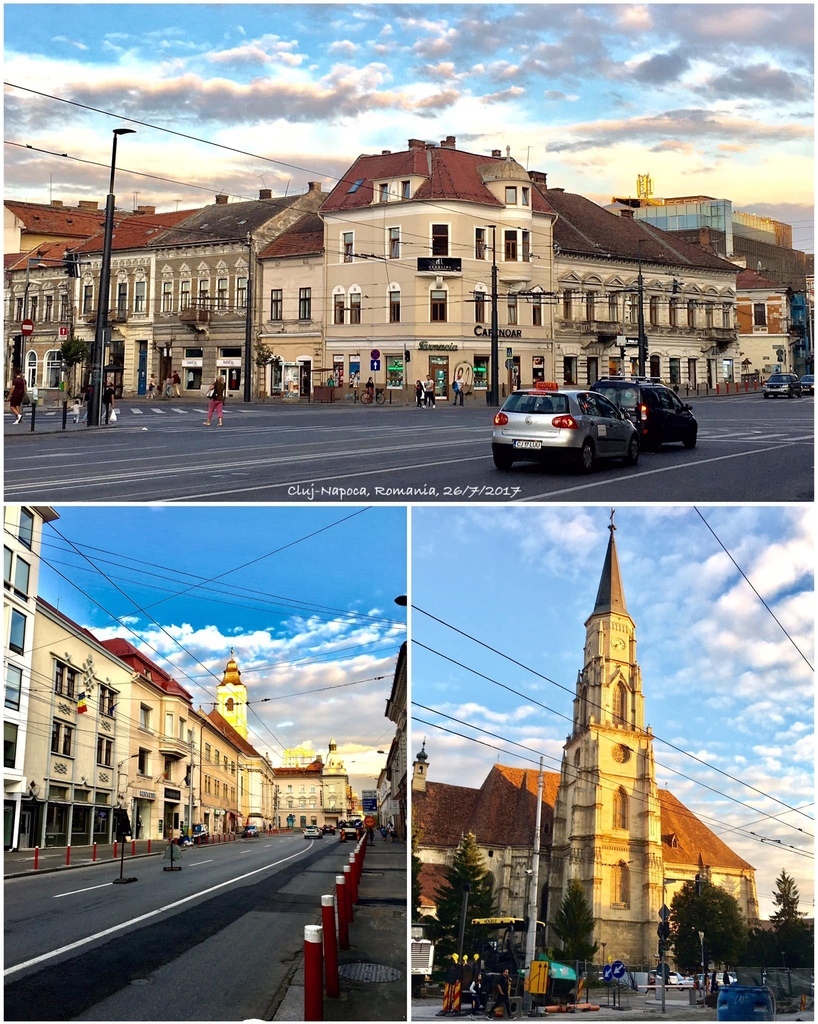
(675, 370)
(394, 379)
(569, 369)
(438, 307)
(537, 368)
(481, 373)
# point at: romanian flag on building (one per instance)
(82, 706)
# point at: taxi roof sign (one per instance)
(546, 385)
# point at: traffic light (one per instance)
(663, 931)
(71, 262)
(122, 824)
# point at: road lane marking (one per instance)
(74, 892)
(196, 863)
(143, 917)
(648, 472)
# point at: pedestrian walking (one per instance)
(419, 393)
(501, 997)
(108, 402)
(17, 396)
(216, 396)
(429, 391)
(168, 387)
(478, 995)
(152, 387)
(176, 380)
(370, 387)
(76, 409)
(458, 387)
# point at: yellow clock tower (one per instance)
(231, 694)
(607, 816)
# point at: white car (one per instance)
(313, 832)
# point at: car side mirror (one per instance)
(688, 406)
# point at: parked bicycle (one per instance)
(367, 397)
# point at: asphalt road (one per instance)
(218, 940)
(749, 450)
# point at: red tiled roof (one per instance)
(450, 174)
(135, 230)
(68, 221)
(585, 229)
(304, 238)
(430, 877)
(125, 651)
(51, 254)
(685, 838)
(314, 768)
(229, 733)
(750, 279)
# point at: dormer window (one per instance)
(405, 190)
(511, 195)
(383, 192)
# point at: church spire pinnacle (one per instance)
(611, 596)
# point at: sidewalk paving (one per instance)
(378, 940)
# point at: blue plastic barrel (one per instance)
(744, 1002)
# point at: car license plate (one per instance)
(526, 444)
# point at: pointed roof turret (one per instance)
(610, 597)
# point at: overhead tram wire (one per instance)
(561, 686)
(750, 585)
(746, 833)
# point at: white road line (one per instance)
(74, 892)
(138, 412)
(650, 472)
(143, 917)
(196, 863)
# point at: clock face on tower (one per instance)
(618, 643)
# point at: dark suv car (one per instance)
(656, 411)
(786, 384)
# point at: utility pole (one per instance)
(493, 393)
(640, 322)
(531, 934)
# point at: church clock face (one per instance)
(618, 643)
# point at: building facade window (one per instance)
(691, 313)
(405, 190)
(383, 192)
(221, 293)
(17, 631)
(479, 307)
(107, 701)
(511, 246)
(394, 243)
(184, 294)
(347, 246)
(48, 312)
(590, 306)
(204, 292)
(305, 303)
(338, 309)
(394, 306)
(621, 885)
(105, 748)
(14, 686)
(620, 705)
(568, 304)
(354, 307)
(479, 243)
(620, 809)
(512, 310)
(144, 717)
(511, 195)
(536, 312)
(727, 315)
(759, 314)
(437, 313)
(139, 292)
(276, 304)
(62, 737)
(525, 237)
(9, 745)
(167, 296)
(673, 312)
(440, 239)
(64, 306)
(65, 679)
(653, 309)
(241, 292)
(525, 195)
(613, 308)
(88, 298)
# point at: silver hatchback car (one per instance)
(543, 425)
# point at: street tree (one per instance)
(716, 913)
(794, 939)
(416, 866)
(574, 924)
(467, 868)
(262, 356)
(73, 352)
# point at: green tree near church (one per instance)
(467, 868)
(791, 941)
(713, 911)
(574, 924)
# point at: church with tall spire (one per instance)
(604, 821)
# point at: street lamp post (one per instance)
(98, 359)
(493, 393)
(642, 341)
(248, 324)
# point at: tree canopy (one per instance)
(467, 868)
(716, 913)
(574, 924)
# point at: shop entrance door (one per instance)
(439, 372)
(305, 379)
(142, 369)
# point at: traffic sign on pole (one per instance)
(27, 328)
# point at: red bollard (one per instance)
(718, 389)
(348, 887)
(343, 916)
(68, 855)
(36, 857)
(133, 847)
(149, 845)
(313, 973)
(353, 875)
(331, 982)
(94, 853)
(116, 849)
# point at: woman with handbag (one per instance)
(216, 396)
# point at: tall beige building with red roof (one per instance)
(605, 822)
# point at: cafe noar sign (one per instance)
(439, 264)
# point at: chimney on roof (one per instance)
(417, 144)
(56, 202)
(626, 213)
(449, 142)
(221, 199)
(315, 186)
(265, 193)
(539, 178)
(146, 210)
(386, 152)
(87, 204)
(495, 152)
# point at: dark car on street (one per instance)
(807, 383)
(328, 830)
(250, 831)
(782, 385)
(657, 412)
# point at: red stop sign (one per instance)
(27, 327)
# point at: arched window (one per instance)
(620, 809)
(620, 705)
(621, 885)
(31, 370)
(53, 366)
(229, 703)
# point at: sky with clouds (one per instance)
(706, 98)
(727, 681)
(315, 632)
